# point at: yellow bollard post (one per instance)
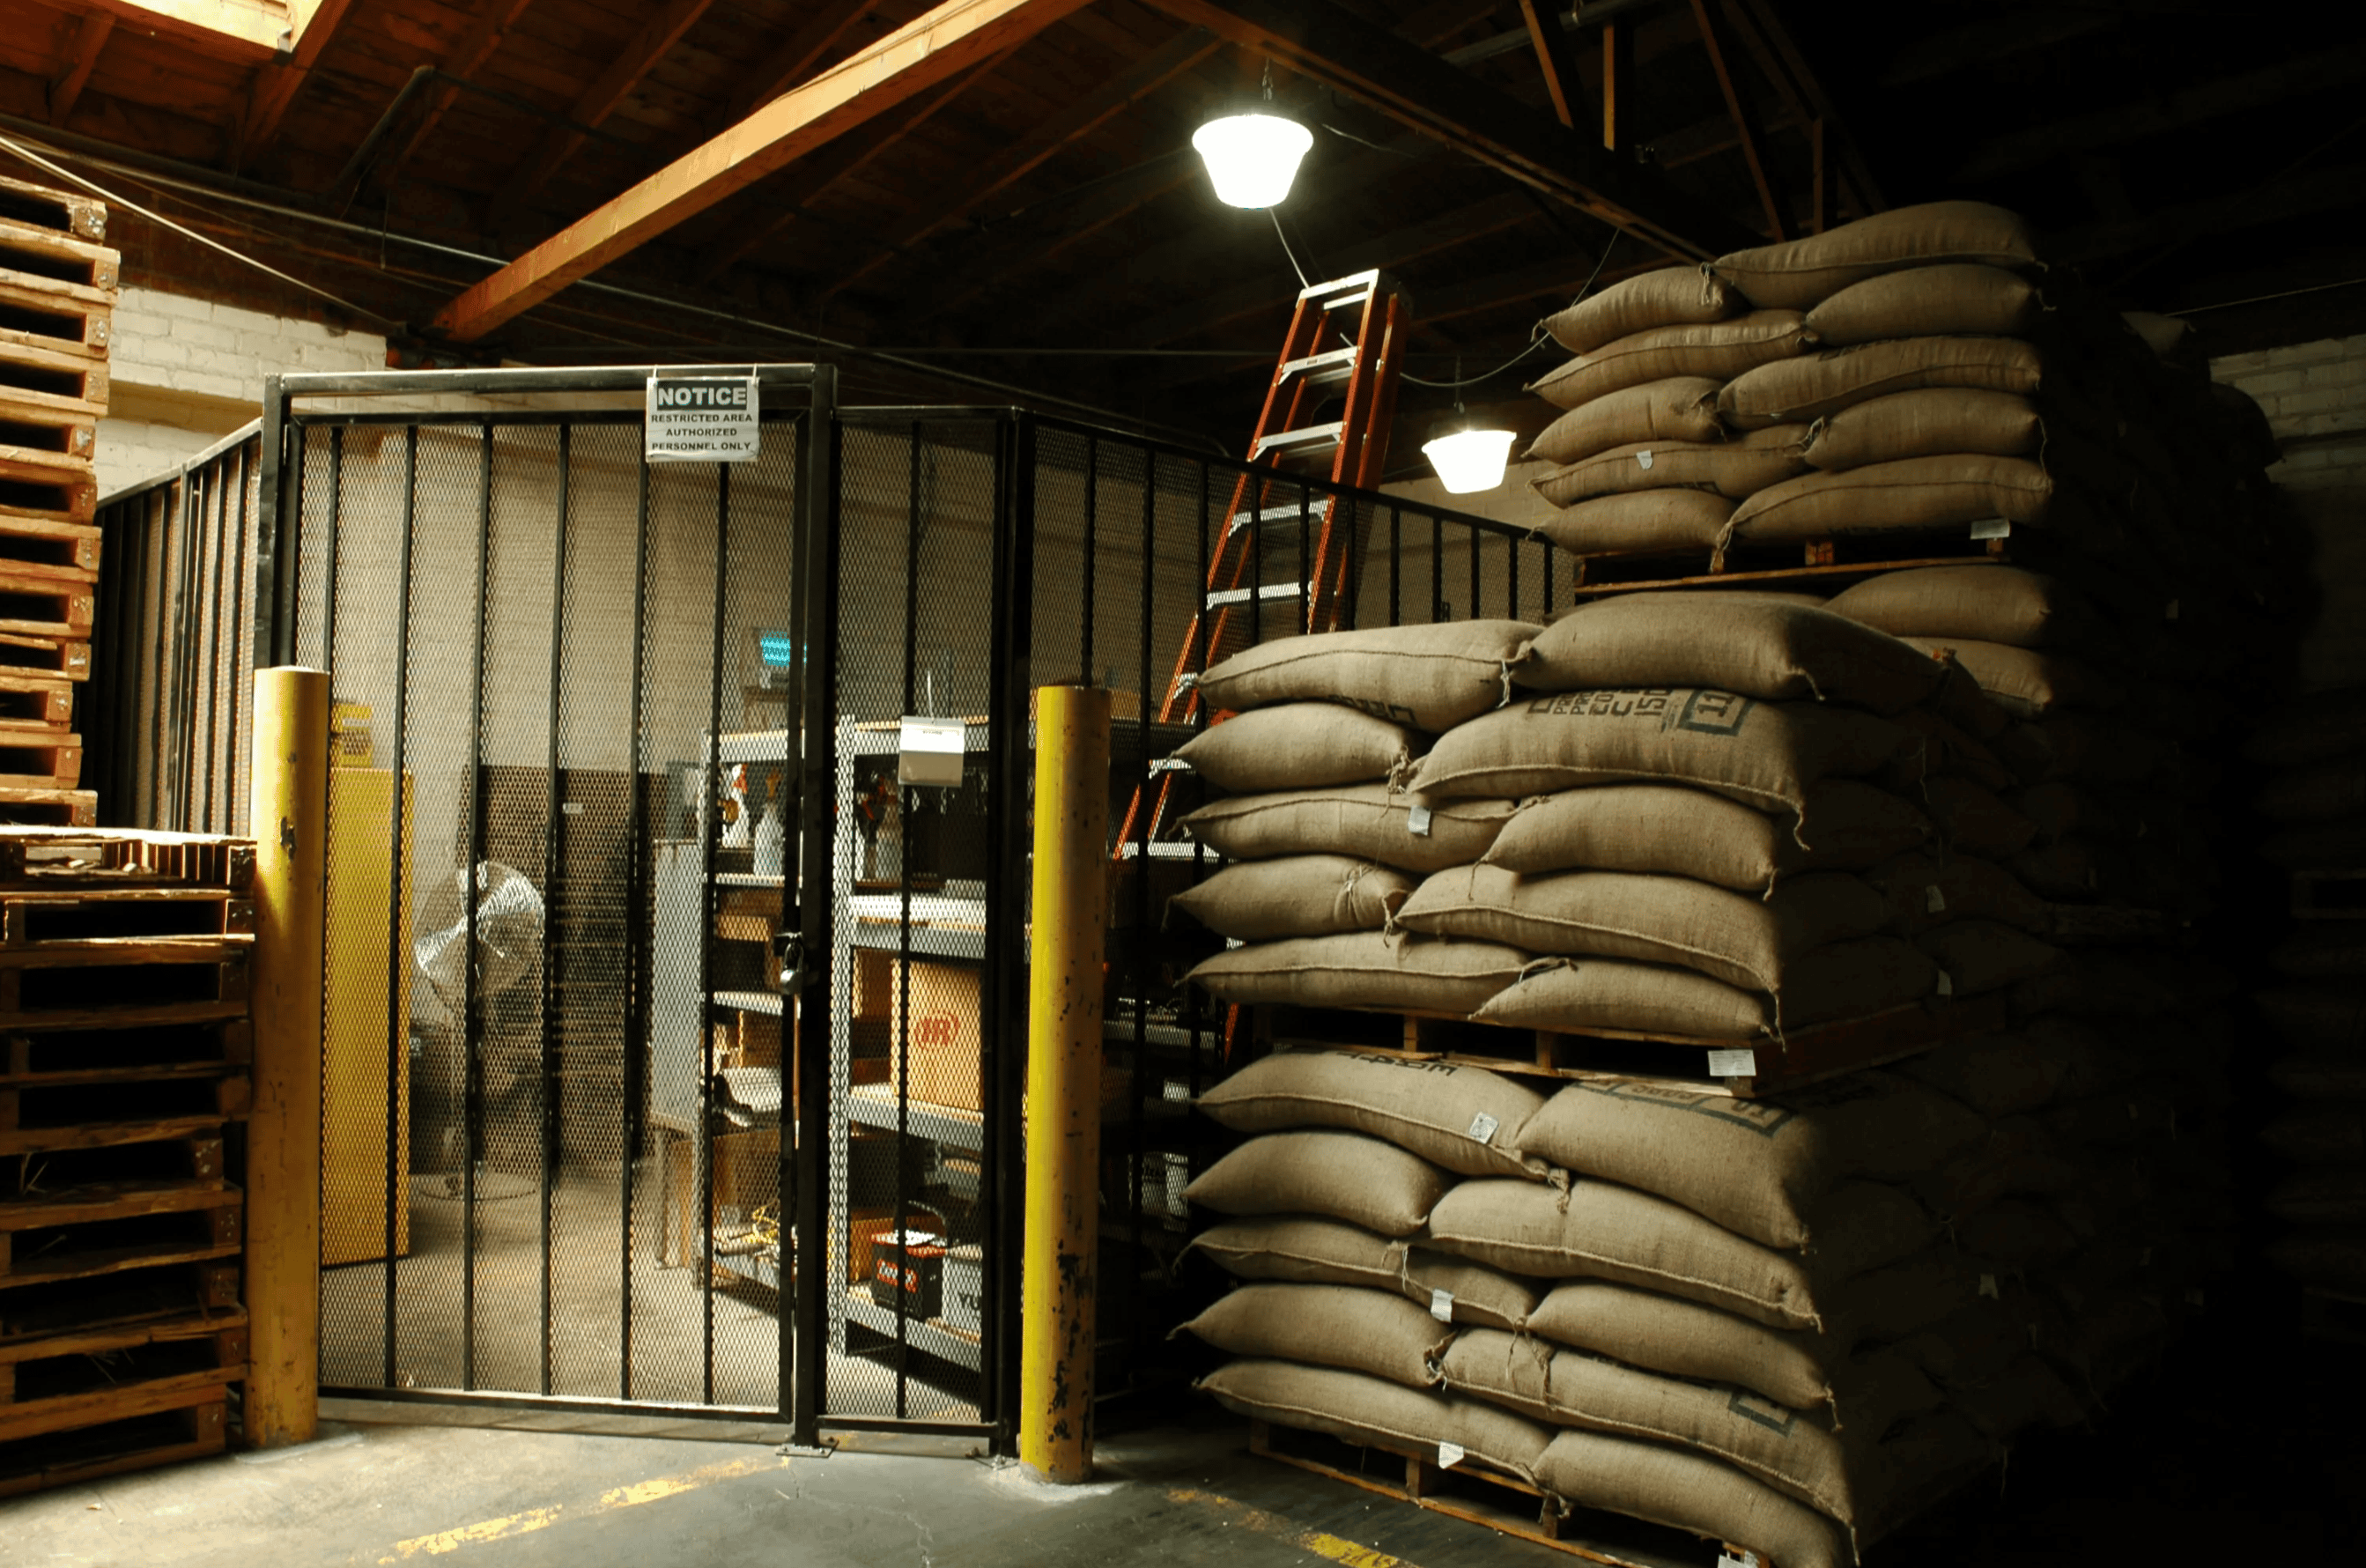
(1063, 1080)
(288, 817)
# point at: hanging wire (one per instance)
(1303, 282)
(28, 155)
(1536, 338)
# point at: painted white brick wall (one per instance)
(2315, 395)
(186, 372)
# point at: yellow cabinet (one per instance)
(355, 1037)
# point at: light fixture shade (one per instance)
(1470, 460)
(1251, 158)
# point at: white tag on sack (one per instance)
(1643, 457)
(1483, 1127)
(1417, 819)
(1935, 901)
(1441, 1305)
(1740, 1064)
(1988, 1286)
(1992, 528)
(1946, 985)
(1448, 1455)
(1747, 1560)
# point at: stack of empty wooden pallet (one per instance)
(58, 286)
(124, 1052)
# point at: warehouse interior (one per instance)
(1438, 783)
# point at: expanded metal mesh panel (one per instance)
(164, 714)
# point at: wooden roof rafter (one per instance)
(657, 34)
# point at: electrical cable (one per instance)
(1537, 340)
(1304, 281)
(29, 156)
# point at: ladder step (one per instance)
(1316, 508)
(1161, 849)
(1299, 442)
(1335, 293)
(1224, 596)
(1330, 369)
(1170, 765)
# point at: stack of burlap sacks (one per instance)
(2316, 803)
(1725, 815)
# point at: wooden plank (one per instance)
(68, 212)
(936, 46)
(49, 808)
(795, 59)
(1323, 40)
(39, 1417)
(53, 380)
(37, 488)
(31, 762)
(97, 1340)
(111, 951)
(102, 1201)
(1732, 91)
(1556, 62)
(65, 87)
(46, 547)
(468, 54)
(36, 858)
(34, 699)
(51, 1269)
(46, 318)
(194, 1428)
(65, 657)
(43, 259)
(276, 83)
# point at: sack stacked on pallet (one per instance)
(1680, 1306)
(2315, 807)
(1704, 816)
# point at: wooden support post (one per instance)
(1059, 1276)
(1618, 73)
(290, 813)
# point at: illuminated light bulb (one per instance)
(1251, 158)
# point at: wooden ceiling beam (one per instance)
(485, 35)
(1739, 113)
(968, 189)
(1316, 38)
(278, 83)
(1557, 62)
(66, 86)
(930, 50)
(794, 59)
(657, 36)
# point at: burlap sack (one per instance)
(1756, 1166)
(1923, 892)
(2315, 727)
(1971, 819)
(1975, 1342)
(1598, 1231)
(2008, 1075)
(2319, 1076)
(2077, 747)
(1466, 1119)
(1719, 350)
(1986, 955)
(1759, 647)
(2333, 1258)
(1365, 969)
(1801, 274)
(2320, 1199)
(1364, 822)
(1673, 831)
(1343, 1175)
(1430, 677)
(1640, 520)
(1928, 423)
(1812, 387)
(1742, 940)
(1672, 297)
(1325, 1252)
(1763, 754)
(1689, 1492)
(1916, 496)
(1378, 1332)
(2324, 793)
(1928, 1459)
(1957, 300)
(2027, 682)
(1296, 896)
(1366, 1410)
(1734, 468)
(1994, 603)
(2314, 1018)
(1799, 1367)
(2026, 1393)
(1756, 1435)
(1847, 980)
(1682, 408)
(1301, 746)
(2015, 1234)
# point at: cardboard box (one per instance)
(964, 1289)
(907, 1272)
(945, 1034)
(865, 1226)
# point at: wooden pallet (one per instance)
(1501, 1503)
(135, 1433)
(106, 1228)
(37, 1377)
(1746, 1070)
(59, 380)
(34, 859)
(64, 658)
(198, 1115)
(48, 808)
(56, 1057)
(64, 212)
(41, 489)
(123, 925)
(121, 1300)
(52, 262)
(46, 318)
(35, 700)
(1823, 566)
(39, 761)
(2329, 894)
(41, 607)
(35, 433)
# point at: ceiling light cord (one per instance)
(1303, 282)
(1537, 339)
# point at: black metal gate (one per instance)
(676, 1015)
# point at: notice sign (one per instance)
(701, 419)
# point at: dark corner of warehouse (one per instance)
(1415, 783)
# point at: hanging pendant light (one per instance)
(1468, 456)
(1252, 153)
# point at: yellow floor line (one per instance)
(1316, 1542)
(533, 1519)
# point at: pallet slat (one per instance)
(35, 859)
(181, 1426)
(61, 657)
(53, 319)
(49, 808)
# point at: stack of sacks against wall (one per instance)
(2315, 800)
(1709, 1327)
